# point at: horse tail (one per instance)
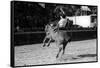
(69, 40)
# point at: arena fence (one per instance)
(23, 38)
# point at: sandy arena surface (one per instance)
(35, 54)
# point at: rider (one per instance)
(62, 22)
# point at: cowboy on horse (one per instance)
(55, 25)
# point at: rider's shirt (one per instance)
(62, 22)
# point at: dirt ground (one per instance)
(35, 54)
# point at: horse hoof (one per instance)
(43, 45)
(47, 45)
(57, 56)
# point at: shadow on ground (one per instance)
(78, 57)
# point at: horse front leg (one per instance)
(49, 42)
(44, 41)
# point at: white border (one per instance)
(5, 33)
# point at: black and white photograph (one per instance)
(44, 33)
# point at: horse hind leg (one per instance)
(59, 52)
(64, 46)
(60, 49)
(44, 41)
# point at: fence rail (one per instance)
(60, 30)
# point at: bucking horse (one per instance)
(61, 38)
